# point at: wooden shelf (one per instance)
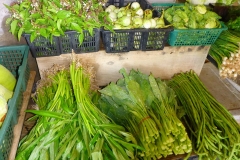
(161, 63)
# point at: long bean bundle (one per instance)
(213, 130)
(69, 125)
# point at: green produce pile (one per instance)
(192, 16)
(138, 117)
(133, 16)
(227, 2)
(50, 18)
(213, 130)
(147, 108)
(69, 125)
(234, 24)
(225, 52)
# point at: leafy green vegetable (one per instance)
(191, 16)
(69, 125)
(56, 17)
(147, 108)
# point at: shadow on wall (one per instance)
(7, 38)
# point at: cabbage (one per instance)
(211, 14)
(201, 9)
(211, 23)
(198, 17)
(176, 18)
(192, 23)
(182, 15)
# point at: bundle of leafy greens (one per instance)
(147, 108)
(69, 125)
(234, 24)
(192, 16)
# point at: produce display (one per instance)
(133, 16)
(52, 18)
(7, 84)
(189, 16)
(147, 108)
(138, 117)
(212, 129)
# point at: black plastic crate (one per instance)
(125, 40)
(71, 41)
(42, 47)
(143, 3)
(135, 39)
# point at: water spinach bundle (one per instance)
(147, 108)
(69, 125)
(213, 130)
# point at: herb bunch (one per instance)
(50, 18)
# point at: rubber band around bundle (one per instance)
(144, 120)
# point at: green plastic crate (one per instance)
(195, 37)
(190, 37)
(160, 6)
(15, 58)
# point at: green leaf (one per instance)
(63, 14)
(16, 7)
(76, 27)
(79, 6)
(81, 38)
(41, 21)
(59, 22)
(33, 36)
(52, 10)
(14, 26)
(9, 20)
(35, 15)
(20, 33)
(7, 6)
(90, 29)
(27, 25)
(23, 14)
(24, 6)
(45, 113)
(56, 33)
(43, 32)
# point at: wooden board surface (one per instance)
(221, 89)
(18, 127)
(162, 63)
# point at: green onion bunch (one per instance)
(225, 52)
(147, 108)
(69, 125)
(213, 130)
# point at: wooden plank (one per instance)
(162, 63)
(18, 127)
